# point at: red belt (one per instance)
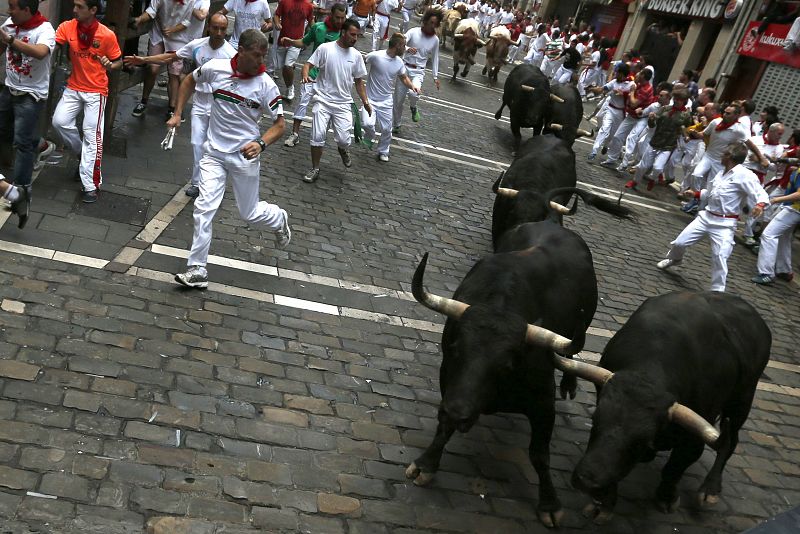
(721, 216)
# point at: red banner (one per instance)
(769, 45)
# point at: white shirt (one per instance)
(383, 70)
(540, 42)
(196, 26)
(768, 151)
(166, 14)
(718, 141)
(427, 47)
(26, 73)
(616, 101)
(747, 124)
(728, 190)
(237, 104)
(595, 59)
(506, 17)
(248, 15)
(338, 68)
(409, 5)
(200, 52)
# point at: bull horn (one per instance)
(458, 35)
(528, 88)
(555, 206)
(449, 307)
(481, 42)
(692, 421)
(587, 371)
(555, 126)
(556, 98)
(507, 192)
(542, 337)
(585, 133)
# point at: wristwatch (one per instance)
(262, 144)
(10, 40)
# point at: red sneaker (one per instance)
(661, 178)
(631, 185)
(786, 277)
(650, 185)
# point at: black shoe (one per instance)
(22, 206)
(89, 197)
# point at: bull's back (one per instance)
(708, 347)
(545, 162)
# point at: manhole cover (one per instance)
(115, 207)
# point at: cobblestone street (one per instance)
(291, 395)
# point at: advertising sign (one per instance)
(769, 45)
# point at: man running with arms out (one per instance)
(340, 66)
(384, 69)
(732, 187)
(197, 53)
(421, 44)
(93, 50)
(241, 93)
(28, 40)
(291, 18)
(319, 33)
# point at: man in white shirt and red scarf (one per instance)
(380, 26)
(620, 87)
(421, 44)
(28, 40)
(242, 92)
(732, 188)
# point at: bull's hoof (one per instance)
(498, 115)
(484, 71)
(464, 72)
(667, 507)
(419, 477)
(551, 519)
(568, 386)
(597, 513)
(706, 500)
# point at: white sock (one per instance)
(12, 194)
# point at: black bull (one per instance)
(545, 171)
(682, 361)
(493, 354)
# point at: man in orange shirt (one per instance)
(363, 10)
(93, 50)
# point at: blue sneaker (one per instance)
(689, 206)
(762, 279)
(591, 157)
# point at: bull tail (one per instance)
(590, 199)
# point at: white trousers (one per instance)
(215, 168)
(766, 216)
(608, 127)
(90, 149)
(201, 113)
(621, 135)
(339, 115)
(775, 253)
(383, 124)
(683, 159)
(534, 58)
(705, 168)
(638, 132)
(549, 66)
(417, 76)
(380, 27)
(720, 231)
(306, 92)
(563, 75)
(652, 159)
(406, 20)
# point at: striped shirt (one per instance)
(237, 104)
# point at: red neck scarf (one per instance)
(767, 141)
(329, 24)
(179, 2)
(34, 22)
(676, 109)
(243, 75)
(722, 126)
(426, 33)
(86, 33)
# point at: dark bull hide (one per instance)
(511, 310)
(680, 363)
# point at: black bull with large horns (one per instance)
(681, 362)
(529, 98)
(508, 315)
(538, 184)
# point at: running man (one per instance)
(421, 44)
(250, 14)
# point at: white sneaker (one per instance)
(383, 157)
(290, 93)
(196, 276)
(311, 176)
(284, 234)
(292, 140)
(749, 241)
(666, 264)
